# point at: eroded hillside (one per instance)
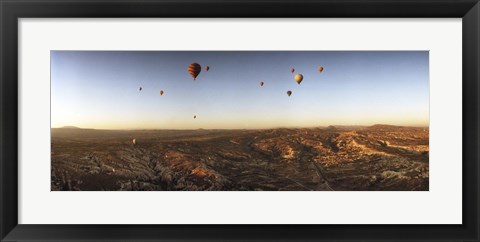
(379, 157)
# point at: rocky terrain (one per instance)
(335, 158)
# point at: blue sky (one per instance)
(99, 89)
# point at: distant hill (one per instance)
(386, 127)
(345, 127)
(69, 127)
(375, 127)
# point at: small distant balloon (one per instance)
(320, 68)
(140, 89)
(298, 78)
(194, 69)
(261, 84)
(134, 142)
(207, 68)
(161, 92)
(292, 70)
(289, 93)
(194, 116)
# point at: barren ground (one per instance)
(379, 157)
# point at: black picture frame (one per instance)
(12, 10)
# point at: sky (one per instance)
(100, 89)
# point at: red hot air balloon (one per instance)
(261, 84)
(207, 68)
(194, 69)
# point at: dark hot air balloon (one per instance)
(194, 116)
(289, 93)
(140, 89)
(292, 70)
(207, 68)
(194, 69)
(161, 92)
(261, 84)
(298, 78)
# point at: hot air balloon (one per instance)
(298, 78)
(261, 84)
(289, 93)
(161, 92)
(134, 142)
(292, 70)
(140, 89)
(320, 68)
(194, 116)
(194, 69)
(207, 68)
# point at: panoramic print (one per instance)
(239, 121)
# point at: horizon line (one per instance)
(282, 127)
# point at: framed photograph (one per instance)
(227, 120)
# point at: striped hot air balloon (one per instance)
(194, 69)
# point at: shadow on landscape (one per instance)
(378, 157)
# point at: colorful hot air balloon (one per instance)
(320, 68)
(289, 93)
(161, 92)
(261, 84)
(298, 78)
(207, 68)
(194, 69)
(292, 70)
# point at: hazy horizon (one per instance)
(289, 127)
(100, 89)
